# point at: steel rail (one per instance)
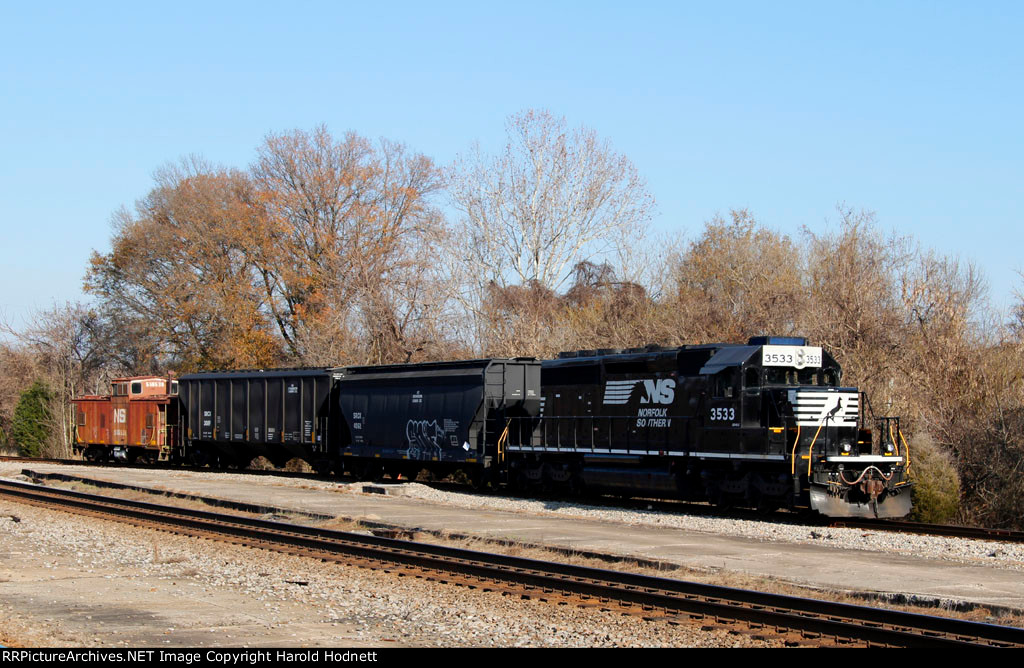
(949, 531)
(896, 526)
(644, 593)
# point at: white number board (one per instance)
(794, 356)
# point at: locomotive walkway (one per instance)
(806, 564)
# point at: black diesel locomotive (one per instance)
(763, 425)
(766, 424)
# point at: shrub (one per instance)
(30, 427)
(936, 491)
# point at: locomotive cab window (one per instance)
(174, 388)
(752, 378)
(780, 376)
(722, 383)
(808, 377)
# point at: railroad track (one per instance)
(799, 620)
(896, 526)
(978, 533)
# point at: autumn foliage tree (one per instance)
(181, 266)
(738, 277)
(350, 236)
(317, 255)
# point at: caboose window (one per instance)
(136, 388)
(81, 419)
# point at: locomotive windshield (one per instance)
(784, 376)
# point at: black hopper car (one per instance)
(767, 424)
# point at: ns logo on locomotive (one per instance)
(765, 424)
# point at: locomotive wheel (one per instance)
(577, 487)
(720, 500)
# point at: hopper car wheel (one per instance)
(481, 480)
(324, 466)
(199, 457)
(370, 471)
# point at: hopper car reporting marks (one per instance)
(766, 424)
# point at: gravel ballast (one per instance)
(977, 552)
(1004, 555)
(266, 593)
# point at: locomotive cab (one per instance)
(823, 430)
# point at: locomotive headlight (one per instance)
(888, 447)
(846, 446)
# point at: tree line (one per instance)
(331, 250)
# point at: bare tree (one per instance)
(552, 198)
(65, 348)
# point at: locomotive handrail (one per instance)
(542, 434)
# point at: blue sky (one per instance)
(909, 109)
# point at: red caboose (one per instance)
(138, 420)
